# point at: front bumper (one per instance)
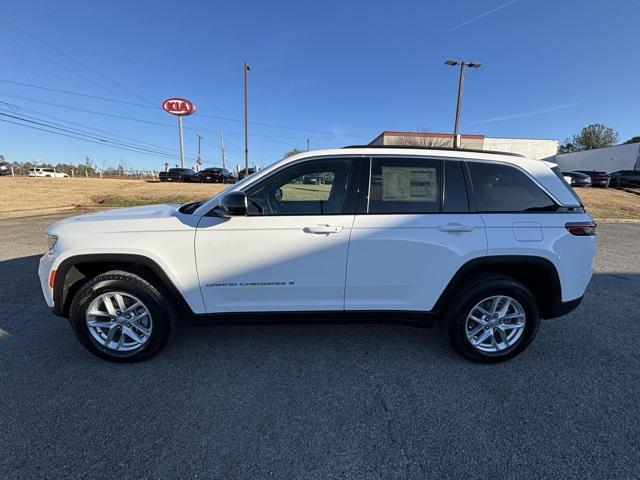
(44, 270)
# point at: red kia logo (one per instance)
(178, 106)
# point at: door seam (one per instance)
(346, 267)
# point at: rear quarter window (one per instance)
(502, 188)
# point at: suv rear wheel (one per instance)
(121, 317)
(494, 319)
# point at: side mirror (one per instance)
(233, 204)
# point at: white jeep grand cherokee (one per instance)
(484, 243)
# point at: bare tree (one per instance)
(421, 140)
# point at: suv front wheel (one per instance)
(494, 319)
(121, 317)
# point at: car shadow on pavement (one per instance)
(21, 304)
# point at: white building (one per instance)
(608, 159)
(529, 147)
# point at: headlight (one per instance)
(51, 240)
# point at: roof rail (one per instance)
(447, 149)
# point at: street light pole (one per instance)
(463, 64)
(246, 69)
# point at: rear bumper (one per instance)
(563, 308)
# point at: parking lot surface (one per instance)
(322, 401)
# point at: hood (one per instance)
(131, 219)
(129, 213)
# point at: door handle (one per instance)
(322, 229)
(455, 227)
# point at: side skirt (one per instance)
(401, 317)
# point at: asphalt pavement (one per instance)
(322, 401)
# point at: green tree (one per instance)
(590, 137)
(635, 139)
(293, 151)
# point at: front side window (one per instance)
(314, 187)
(404, 185)
(502, 188)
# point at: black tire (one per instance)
(474, 291)
(161, 311)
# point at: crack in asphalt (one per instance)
(391, 437)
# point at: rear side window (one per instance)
(502, 188)
(455, 190)
(404, 185)
(561, 176)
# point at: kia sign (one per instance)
(178, 106)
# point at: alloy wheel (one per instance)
(495, 324)
(119, 321)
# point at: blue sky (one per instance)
(336, 72)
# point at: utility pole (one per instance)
(246, 69)
(307, 144)
(224, 163)
(199, 159)
(462, 64)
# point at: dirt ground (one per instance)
(611, 204)
(30, 196)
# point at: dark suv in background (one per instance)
(4, 168)
(625, 178)
(598, 179)
(178, 175)
(215, 175)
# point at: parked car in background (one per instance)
(625, 178)
(241, 173)
(46, 172)
(578, 179)
(598, 179)
(5, 169)
(178, 175)
(215, 175)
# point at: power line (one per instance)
(77, 94)
(206, 115)
(16, 108)
(84, 137)
(102, 138)
(148, 122)
(73, 59)
(71, 136)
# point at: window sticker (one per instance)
(409, 184)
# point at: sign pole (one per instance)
(181, 141)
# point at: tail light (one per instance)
(581, 229)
